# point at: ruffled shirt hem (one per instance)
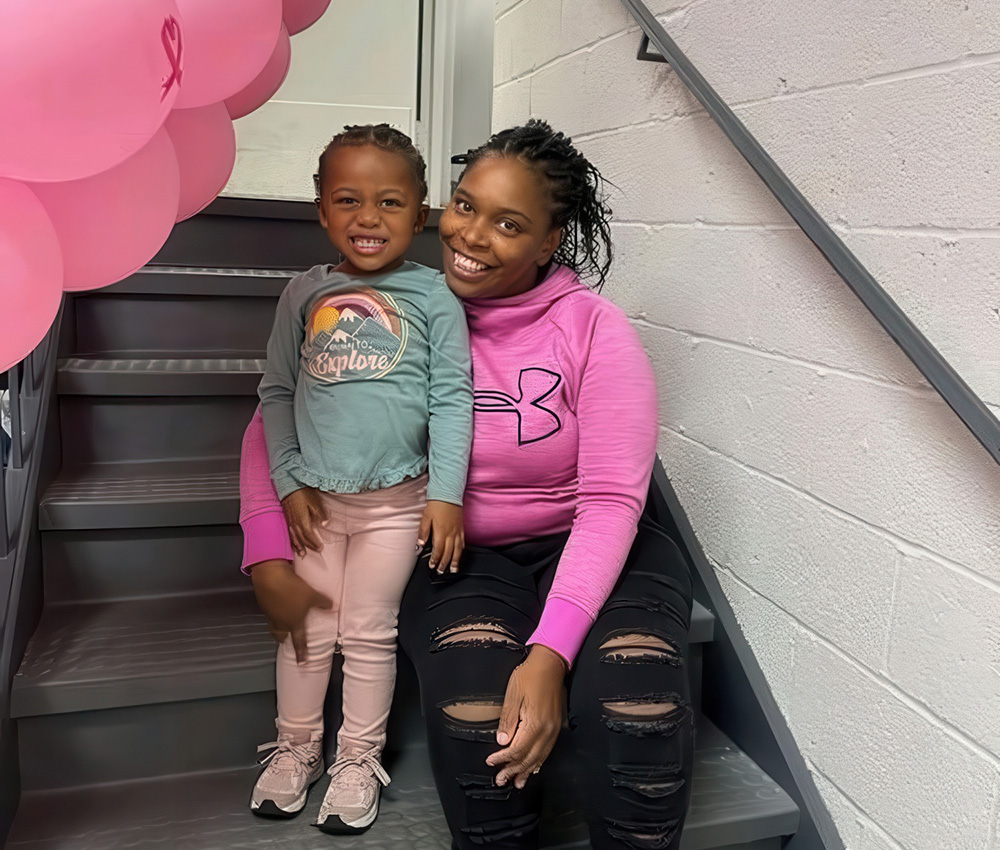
(385, 478)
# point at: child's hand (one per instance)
(285, 600)
(304, 511)
(442, 524)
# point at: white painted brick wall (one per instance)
(853, 522)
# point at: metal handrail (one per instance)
(939, 373)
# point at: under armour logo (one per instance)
(534, 422)
(170, 35)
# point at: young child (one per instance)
(367, 363)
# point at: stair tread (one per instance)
(161, 365)
(184, 280)
(97, 655)
(108, 654)
(138, 375)
(733, 801)
(150, 494)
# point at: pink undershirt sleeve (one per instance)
(265, 532)
(616, 416)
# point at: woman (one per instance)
(566, 597)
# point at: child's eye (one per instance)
(347, 201)
(463, 206)
(391, 202)
(508, 226)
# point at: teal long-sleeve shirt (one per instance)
(368, 383)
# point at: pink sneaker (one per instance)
(283, 785)
(351, 802)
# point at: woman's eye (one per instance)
(463, 206)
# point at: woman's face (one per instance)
(497, 230)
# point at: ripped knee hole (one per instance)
(481, 632)
(637, 647)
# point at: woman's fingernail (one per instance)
(502, 738)
(519, 783)
(501, 781)
(420, 543)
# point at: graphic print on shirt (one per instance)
(535, 422)
(354, 334)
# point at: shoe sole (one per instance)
(333, 825)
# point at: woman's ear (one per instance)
(550, 245)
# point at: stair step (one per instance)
(160, 376)
(125, 652)
(99, 565)
(734, 804)
(100, 655)
(143, 495)
(184, 280)
(234, 314)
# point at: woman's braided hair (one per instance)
(576, 188)
(383, 137)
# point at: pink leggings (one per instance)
(369, 549)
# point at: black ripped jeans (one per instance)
(630, 734)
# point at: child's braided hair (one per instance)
(576, 188)
(380, 136)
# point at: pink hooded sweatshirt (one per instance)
(564, 438)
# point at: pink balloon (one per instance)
(113, 223)
(301, 14)
(31, 272)
(266, 83)
(83, 86)
(205, 144)
(226, 44)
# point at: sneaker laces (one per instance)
(286, 757)
(365, 762)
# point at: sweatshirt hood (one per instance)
(487, 313)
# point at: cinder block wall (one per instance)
(853, 522)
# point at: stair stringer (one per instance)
(736, 696)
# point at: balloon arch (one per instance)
(117, 123)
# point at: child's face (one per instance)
(497, 230)
(370, 208)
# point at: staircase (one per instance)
(149, 680)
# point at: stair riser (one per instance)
(123, 323)
(222, 733)
(84, 748)
(123, 563)
(103, 430)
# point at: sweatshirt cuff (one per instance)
(563, 627)
(265, 538)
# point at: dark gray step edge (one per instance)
(160, 377)
(206, 681)
(179, 280)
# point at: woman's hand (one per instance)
(442, 525)
(532, 716)
(304, 512)
(285, 600)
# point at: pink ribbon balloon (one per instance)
(226, 45)
(266, 83)
(301, 14)
(205, 144)
(113, 223)
(31, 272)
(83, 86)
